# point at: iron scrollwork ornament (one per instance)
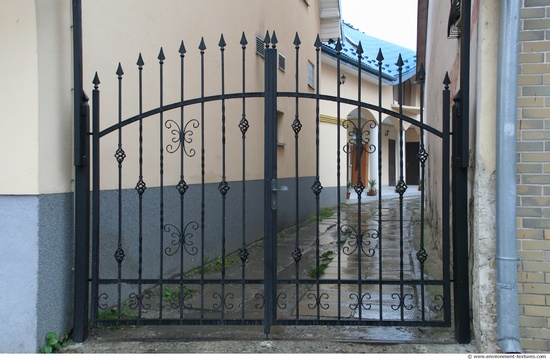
(356, 240)
(103, 306)
(137, 300)
(318, 299)
(280, 304)
(180, 136)
(359, 137)
(360, 301)
(224, 304)
(181, 238)
(402, 301)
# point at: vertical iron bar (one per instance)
(120, 158)
(380, 58)
(460, 184)
(82, 186)
(95, 200)
(244, 127)
(420, 81)
(223, 185)
(445, 200)
(317, 182)
(202, 48)
(359, 186)
(181, 183)
(339, 175)
(141, 185)
(296, 129)
(161, 160)
(270, 173)
(402, 182)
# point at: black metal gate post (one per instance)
(270, 183)
(82, 184)
(82, 222)
(461, 125)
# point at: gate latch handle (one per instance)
(274, 189)
(274, 186)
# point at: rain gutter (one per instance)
(506, 257)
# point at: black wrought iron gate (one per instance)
(159, 256)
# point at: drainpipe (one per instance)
(506, 258)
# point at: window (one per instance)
(310, 74)
(282, 63)
(260, 46)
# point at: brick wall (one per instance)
(533, 168)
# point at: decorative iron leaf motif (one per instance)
(103, 306)
(120, 155)
(401, 187)
(243, 126)
(317, 187)
(281, 304)
(179, 298)
(140, 186)
(356, 240)
(224, 304)
(317, 302)
(402, 301)
(422, 255)
(439, 298)
(422, 155)
(259, 296)
(137, 300)
(181, 238)
(181, 137)
(182, 187)
(297, 254)
(119, 255)
(243, 254)
(224, 187)
(359, 138)
(296, 125)
(360, 301)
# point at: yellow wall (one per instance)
(19, 98)
(114, 34)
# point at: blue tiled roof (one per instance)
(371, 45)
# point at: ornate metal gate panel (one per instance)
(171, 246)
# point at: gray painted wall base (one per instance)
(36, 272)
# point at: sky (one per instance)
(390, 20)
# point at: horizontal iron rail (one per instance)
(279, 281)
(206, 321)
(240, 95)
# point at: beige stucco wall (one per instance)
(112, 34)
(19, 115)
(484, 42)
(36, 101)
